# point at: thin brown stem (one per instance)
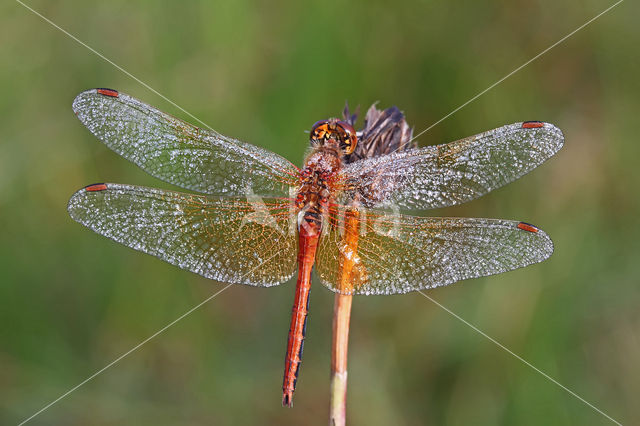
(384, 132)
(339, 349)
(348, 278)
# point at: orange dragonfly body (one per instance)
(259, 216)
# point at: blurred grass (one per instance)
(262, 72)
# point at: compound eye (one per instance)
(319, 130)
(348, 137)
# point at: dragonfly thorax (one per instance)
(316, 189)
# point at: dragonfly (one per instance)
(252, 217)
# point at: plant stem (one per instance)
(349, 276)
(384, 132)
(339, 349)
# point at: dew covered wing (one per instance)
(397, 253)
(225, 239)
(180, 153)
(454, 173)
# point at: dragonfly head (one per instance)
(333, 129)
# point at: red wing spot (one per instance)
(96, 187)
(527, 227)
(108, 92)
(532, 124)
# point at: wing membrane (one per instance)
(397, 254)
(180, 153)
(230, 240)
(453, 173)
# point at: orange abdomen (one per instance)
(308, 243)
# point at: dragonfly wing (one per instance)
(225, 239)
(180, 153)
(397, 254)
(453, 173)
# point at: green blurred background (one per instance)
(263, 72)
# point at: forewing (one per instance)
(397, 254)
(180, 153)
(453, 173)
(230, 239)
